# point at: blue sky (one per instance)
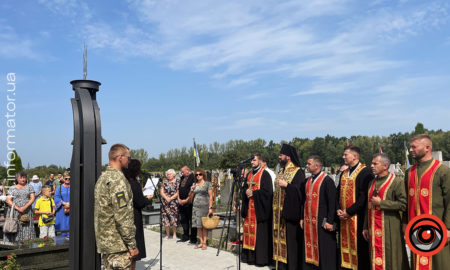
(220, 70)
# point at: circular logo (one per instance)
(378, 261)
(426, 235)
(411, 192)
(424, 192)
(423, 260)
(378, 233)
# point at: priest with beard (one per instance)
(257, 213)
(319, 218)
(287, 210)
(427, 185)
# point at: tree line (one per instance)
(226, 155)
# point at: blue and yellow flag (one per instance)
(196, 155)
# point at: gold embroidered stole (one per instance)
(279, 224)
(349, 251)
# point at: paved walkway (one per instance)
(184, 257)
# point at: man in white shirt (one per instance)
(263, 163)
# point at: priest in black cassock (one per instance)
(319, 213)
(287, 204)
(257, 213)
(352, 197)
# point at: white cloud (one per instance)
(336, 67)
(330, 88)
(14, 46)
(71, 8)
(242, 41)
(128, 41)
(256, 96)
(266, 111)
(239, 81)
(397, 23)
(245, 123)
(234, 39)
(413, 86)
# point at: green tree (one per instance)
(419, 129)
(44, 171)
(2, 173)
(14, 167)
(227, 155)
(139, 154)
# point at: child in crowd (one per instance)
(45, 208)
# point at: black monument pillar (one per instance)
(85, 168)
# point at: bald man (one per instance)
(425, 180)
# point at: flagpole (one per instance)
(406, 155)
(194, 153)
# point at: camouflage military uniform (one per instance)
(116, 261)
(113, 219)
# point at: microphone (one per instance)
(146, 174)
(247, 159)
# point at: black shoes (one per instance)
(182, 240)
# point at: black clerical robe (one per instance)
(326, 206)
(287, 211)
(358, 210)
(262, 201)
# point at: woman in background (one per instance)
(62, 205)
(169, 194)
(132, 173)
(201, 194)
(22, 196)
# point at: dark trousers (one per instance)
(186, 222)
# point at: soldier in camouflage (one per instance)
(113, 213)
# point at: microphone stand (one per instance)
(236, 187)
(160, 216)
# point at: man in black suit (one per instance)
(185, 207)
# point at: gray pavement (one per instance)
(184, 257)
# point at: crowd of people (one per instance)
(118, 207)
(290, 221)
(27, 202)
(358, 224)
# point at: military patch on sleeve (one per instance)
(121, 200)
